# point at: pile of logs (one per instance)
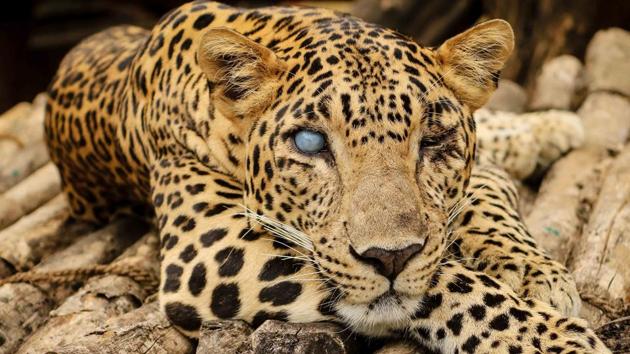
(579, 210)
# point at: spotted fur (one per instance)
(384, 231)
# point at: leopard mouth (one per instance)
(389, 298)
(388, 312)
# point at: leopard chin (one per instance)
(389, 312)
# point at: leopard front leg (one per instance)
(491, 237)
(468, 312)
(213, 265)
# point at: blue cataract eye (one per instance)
(309, 142)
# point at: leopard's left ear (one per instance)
(243, 72)
(472, 60)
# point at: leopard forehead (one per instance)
(366, 82)
(368, 86)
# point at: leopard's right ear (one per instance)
(472, 60)
(244, 73)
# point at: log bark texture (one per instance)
(22, 148)
(559, 83)
(600, 260)
(562, 204)
(98, 300)
(24, 307)
(33, 191)
(24, 243)
(144, 330)
(40, 233)
(21, 164)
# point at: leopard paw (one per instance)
(538, 278)
(556, 132)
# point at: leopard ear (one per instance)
(472, 60)
(244, 74)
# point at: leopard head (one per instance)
(358, 146)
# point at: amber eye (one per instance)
(309, 141)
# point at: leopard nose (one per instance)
(389, 263)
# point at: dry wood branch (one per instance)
(229, 337)
(601, 256)
(145, 330)
(10, 141)
(98, 247)
(100, 299)
(606, 119)
(21, 142)
(24, 122)
(608, 61)
(23, 244)
(561, 207)
(36, 189)
(25, 309)
(558, 83)
(564, 200)
(509, 97)
(22, 164)
(289, 338)
(401, 347)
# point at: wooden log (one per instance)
(98, 300)
(509, 97)
(563, 202)
(228, 337)
(15, 325)
(401, 347)
(38, 188)
(23, 244)
(606, 119)
(25, 120)
(10, 120)
(22, 164)
(20, 316)
(568, 190)
(144, 330)
(600, 260)
(294, 338)
(21, 126)
(608, 61)
(5, 269)
(558, 84)
(10, 142)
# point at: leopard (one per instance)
(304, 165)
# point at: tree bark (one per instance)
(600, 260)
(22, 164)
(564, 199)
(36, 189)
(98, 300)
(144, 330)
(25, 307)
(42, 232)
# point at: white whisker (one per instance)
(277, 228)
